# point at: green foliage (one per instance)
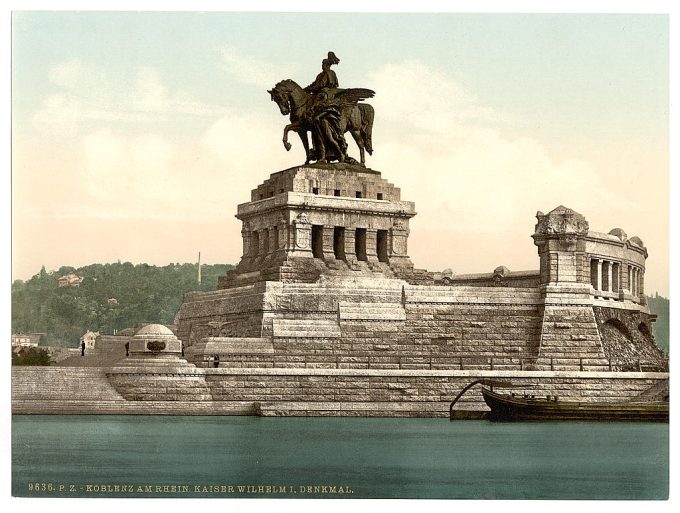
(31, 356)
(660, 306)
(145, 293)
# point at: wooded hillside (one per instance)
(143, 293)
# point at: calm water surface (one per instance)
(367, 457)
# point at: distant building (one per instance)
(70, 280)
(89, 338)
(25, 340)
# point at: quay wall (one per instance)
(298, 391)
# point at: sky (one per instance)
(135, 135)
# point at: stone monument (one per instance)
(325, 294)
(325, 313)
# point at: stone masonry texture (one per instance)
(326, 315)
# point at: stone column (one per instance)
(371, 245)
(276, 252)
(245, 235)
(609, 277)
(284, 242)
(247, 256)
(599, 274)
(273, 239)
(328, 253)
(264, 243)
(350, 251)
(632, 280)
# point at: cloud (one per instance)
(151, 94)
(247, 149)
(67, 75)
(490, 178)
(59, 114)
(90, 94)
(75, 75)
(426, 99)
(115, 174)
(249, 70)
(476, 184)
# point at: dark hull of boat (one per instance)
(505, 407)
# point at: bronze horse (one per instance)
(303, 108)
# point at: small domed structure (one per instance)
(152, 330)
(501, 271)
(155, 339)
(637, 241)
(619, 233)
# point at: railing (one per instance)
(437, 362)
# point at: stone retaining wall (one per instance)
(415, 393)
(291, 391)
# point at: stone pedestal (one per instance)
(292, 221)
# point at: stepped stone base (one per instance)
(159, 378)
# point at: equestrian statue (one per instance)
(327, 113)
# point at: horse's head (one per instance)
(281, 97)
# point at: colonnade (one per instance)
(609, 276)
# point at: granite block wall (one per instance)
(271, 391)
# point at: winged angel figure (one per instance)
(327, 112)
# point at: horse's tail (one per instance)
(367, 115)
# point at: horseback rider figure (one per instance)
(327, 112)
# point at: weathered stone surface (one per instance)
(325, 314)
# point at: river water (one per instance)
(146, 456)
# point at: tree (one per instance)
(144, 293)
(30, 356)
